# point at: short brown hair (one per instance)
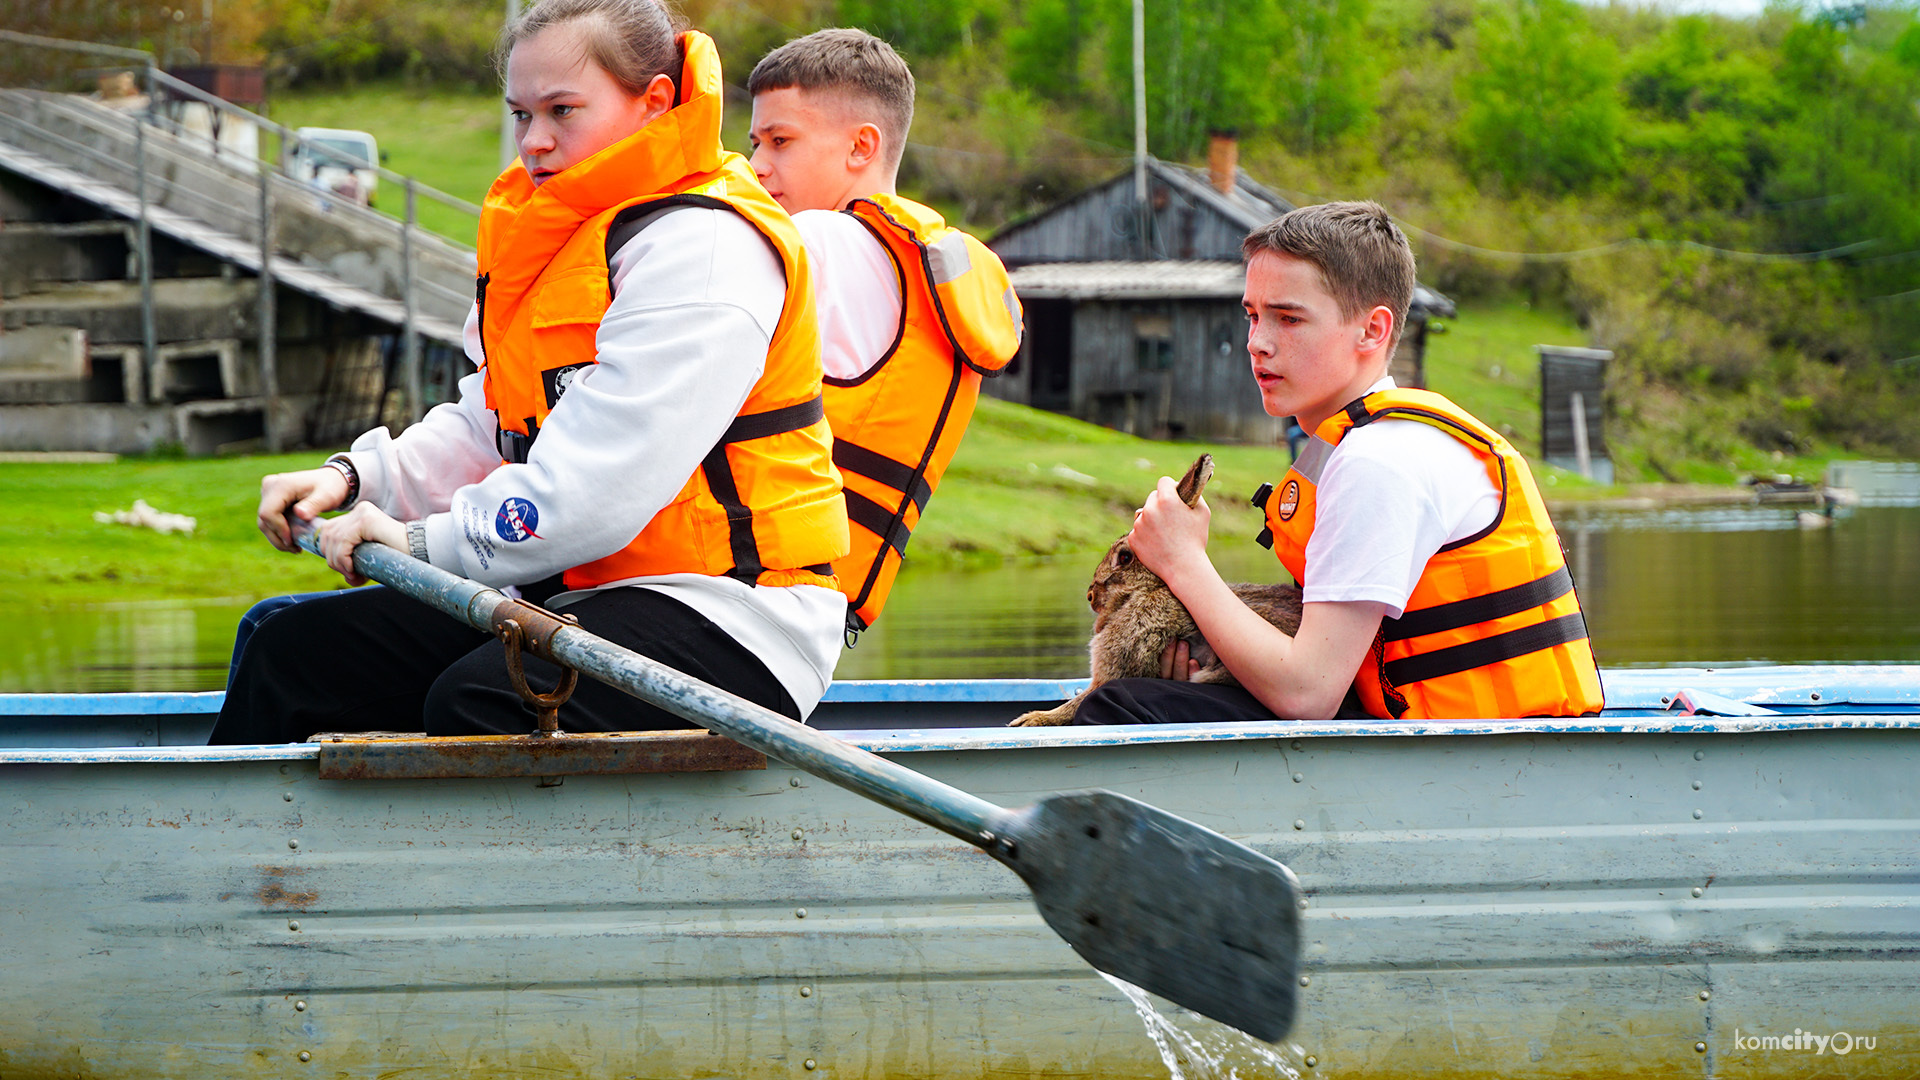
(632, 40)
(853, 62)
(1362, 255)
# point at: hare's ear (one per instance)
(1195, 482)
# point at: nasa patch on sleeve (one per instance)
(517, 520)
(556, 380)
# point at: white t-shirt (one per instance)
(1391, 495)
(856, 288)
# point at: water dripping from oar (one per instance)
(1195, 1048)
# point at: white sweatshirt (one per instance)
(856, 289)
(696, 297)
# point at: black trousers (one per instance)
(374, 660)
(1164, 701)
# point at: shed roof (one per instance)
(1160, 279)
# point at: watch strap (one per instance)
(344, 464)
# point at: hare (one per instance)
(1135, 615)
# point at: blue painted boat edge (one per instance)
(1628, 690)
(921, 691)
(965, 739)
(150, 703)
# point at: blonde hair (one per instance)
(632, 40)
(852, 62)
(1363, 257)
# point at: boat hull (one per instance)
(1541, 899)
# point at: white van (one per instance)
(338, 160)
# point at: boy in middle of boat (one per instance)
(912, 312)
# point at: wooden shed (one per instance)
(1144, 332)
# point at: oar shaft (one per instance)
(921, 797)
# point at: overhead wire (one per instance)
(1304, 197)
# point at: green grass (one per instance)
(1485, 361)
(446, 138)
(1024, 483)
(56, 554)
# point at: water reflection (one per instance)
(1749, 585)
(115, 647)
(1679, 585)
(1714, 586)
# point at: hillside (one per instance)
(1732, 205)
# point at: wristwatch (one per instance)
(417, 539)
(344, 464)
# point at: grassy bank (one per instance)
(57, 554)
(1024, 483)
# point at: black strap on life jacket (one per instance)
(1357, 411)
(889, 525)
(513, 446)
(1259, 500)
(627, 223)
(1491, 650)
(1479, 609)
(746, 550)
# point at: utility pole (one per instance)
(508, 150)
(1142, 215)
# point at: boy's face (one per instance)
(1308, 358)
(803, 145)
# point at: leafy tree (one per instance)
(919, 30)
(1543, 110)
(1044, 51)
(1296, 70)
(1702, 100)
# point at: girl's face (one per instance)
(566, 108)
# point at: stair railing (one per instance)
(156, 83)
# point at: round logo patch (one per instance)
(516, 520)
(1289, 500)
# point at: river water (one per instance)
(1685, 585)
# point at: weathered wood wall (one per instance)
(1203, 391)
(1190, 221)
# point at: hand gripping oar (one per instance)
(1179, 910)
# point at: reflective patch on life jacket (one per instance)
(948, 258)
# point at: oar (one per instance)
(1179, 910)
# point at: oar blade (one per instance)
(1169, 906)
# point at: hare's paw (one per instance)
(1055, 717)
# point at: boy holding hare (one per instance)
(1433, 585)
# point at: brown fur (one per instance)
(1135, 615)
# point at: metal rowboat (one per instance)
(1672, 888)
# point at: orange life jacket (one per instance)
(765, 504)
(1493, 628)
(896, 427)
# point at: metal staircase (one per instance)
(255, 298)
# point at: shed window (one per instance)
(1153, 342)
